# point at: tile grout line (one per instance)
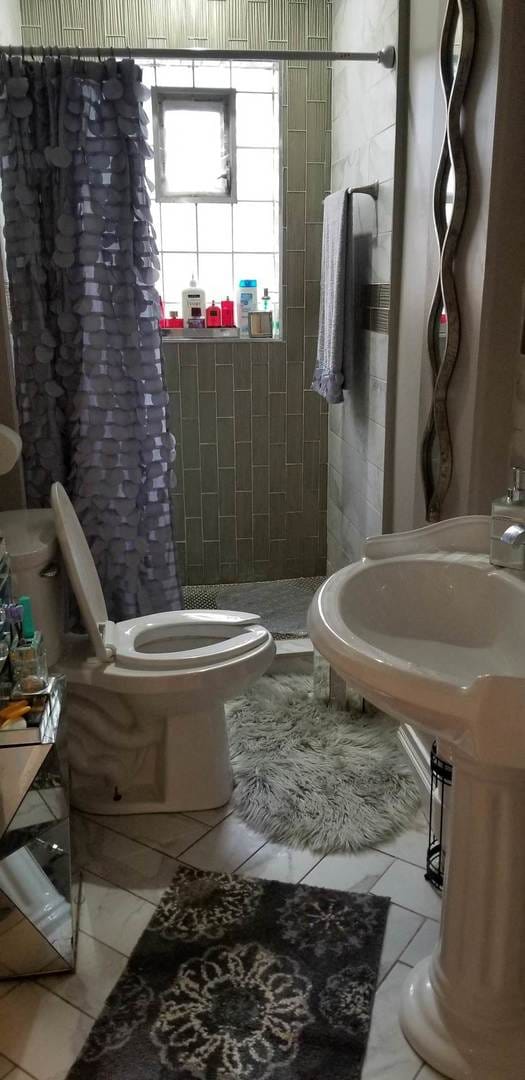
(160, 851)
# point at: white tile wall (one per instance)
(363, 144)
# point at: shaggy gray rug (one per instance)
(311, 776)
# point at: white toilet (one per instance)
(145, 704)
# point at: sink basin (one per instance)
(435, 638)
(427, 629)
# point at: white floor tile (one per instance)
(389, 1056)
(122, 861)
(278, 863)
(406, 886)
(423, 944)
(6, 1067)
(410, 844)
(19, 1074)
(401, 926)
(112, 915)
(356, 872)
(169, 833)
(97, 970)
(225, 847)
(213, 817)
(40, 1032)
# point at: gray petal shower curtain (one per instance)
(82, 265)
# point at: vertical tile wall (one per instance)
(363, 143)
(252, 437)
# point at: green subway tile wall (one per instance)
(251, 437)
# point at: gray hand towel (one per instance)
(328, 377)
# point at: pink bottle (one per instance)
(213, 315)
(228, 312)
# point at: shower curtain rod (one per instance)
(386, 56)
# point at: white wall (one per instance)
(363, 150)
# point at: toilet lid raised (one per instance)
(197, 639)
(80, 566)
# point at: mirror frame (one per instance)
(436, 448)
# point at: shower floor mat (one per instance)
(282, 605)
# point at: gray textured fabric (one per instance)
(328, 378)
(82, 264)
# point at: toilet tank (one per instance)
(36, 571)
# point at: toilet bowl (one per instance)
(145, 702)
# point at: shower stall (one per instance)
(251, 436)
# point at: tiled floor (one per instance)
(127, 864)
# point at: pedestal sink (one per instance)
(428, 630)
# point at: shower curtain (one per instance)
(82, 265)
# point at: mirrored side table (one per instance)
(38, 895)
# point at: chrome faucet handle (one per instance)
(514, 535)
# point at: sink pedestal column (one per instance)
(463, 1009)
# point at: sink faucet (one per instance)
(507, 533)
(514, 535)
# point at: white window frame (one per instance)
(163, 96)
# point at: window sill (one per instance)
(187, 335)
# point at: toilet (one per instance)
(145, 700)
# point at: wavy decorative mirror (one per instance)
(450, 201)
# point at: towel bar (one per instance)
(366, 189)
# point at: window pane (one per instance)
(253, 76)
(148, 72)
(212, 73)
(215, 276)
(264, 268)
(193, 148)
(255, 120)
(155, 213)
(215, 226)
(169, 73)
(177, 272)
(178, 227)
(257, 174)
(254, 227)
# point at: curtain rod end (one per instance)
(387, 57)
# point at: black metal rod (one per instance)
(386, 56)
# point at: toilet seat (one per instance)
(237, 633)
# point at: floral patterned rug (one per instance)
(241, 979)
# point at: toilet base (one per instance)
(133, 757)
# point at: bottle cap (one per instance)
(193, 283)
(518, 478)
(247, 283)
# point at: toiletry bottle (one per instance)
(192, 297)
(508, 510)
(266, 302)
(213, 315)
(174, 323)
(196, 320)
(228, 312)
(246, 302)
(27, 655)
